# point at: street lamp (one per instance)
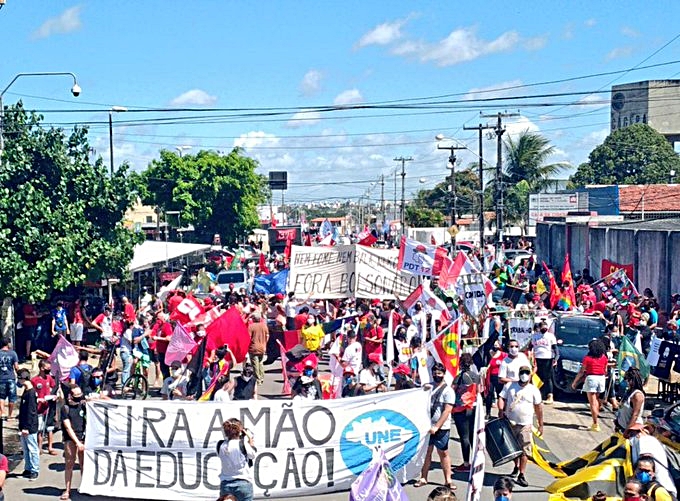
(451, 164)
(671, 175)
(181, 149)
(75, 90)
(114, 109)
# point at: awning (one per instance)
(151, 252)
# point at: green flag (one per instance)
(236, 262)
(629, 357)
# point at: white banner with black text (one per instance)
(167, 449)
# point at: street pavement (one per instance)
(566, 433)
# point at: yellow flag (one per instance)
(540, 287)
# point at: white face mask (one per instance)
(200, 333)
(524, 378)
(514, 351)
(247, 378)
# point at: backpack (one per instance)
(651, 491)
(85, 379)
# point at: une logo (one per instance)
(389, 430)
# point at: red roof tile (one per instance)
(656, 198)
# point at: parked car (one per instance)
(573, 333)
(516, 256)
(237, 277)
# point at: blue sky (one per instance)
(295, 56)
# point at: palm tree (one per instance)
(526, 160)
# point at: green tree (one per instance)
(216, 193)
(60, 216)
(422, 217)
(439, 197)
(526, 159)
(632, 155)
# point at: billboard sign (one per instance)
(542, 205)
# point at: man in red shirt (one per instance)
(373, 337)
(161, 333)
(301, 318)
(30, 325)
(44, 384)
(128, 311)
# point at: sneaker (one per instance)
(521, 481)
(26, 473)
(462, 468)
(515, 472)
(549, 400)
(595, 427)
(33, 475)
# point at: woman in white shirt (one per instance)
(236, 454)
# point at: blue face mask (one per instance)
(348, 380)
(97, 381)
(308, 372)
(644, 477)
(502, 497)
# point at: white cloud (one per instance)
(256, 138)
(66, 22)
(196, 97)
(311, 83)
(589, 23)
(629, 32)
(351, 96)
(618, 53)
(383, 34)
(536, 43)
(304, 119)
(493, 91)
(568, 32)
(518, 125)
(592, 101)
(460, 46)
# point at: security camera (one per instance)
(75, 90)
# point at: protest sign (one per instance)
(347, 271)
(616, 288)
(609, 267)
(521, 330)
(471, 289)
(167, 449)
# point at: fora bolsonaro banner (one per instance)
(167, 449)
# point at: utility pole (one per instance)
(402, 219)
(499, 130)
(382, 201)
(452, 180)
(480, 128)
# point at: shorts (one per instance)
(30, 332)
(440, 439)
(76, 332)
(8, 390)
(44, 424)
(594, 384)
(153, 356)
(523, 433)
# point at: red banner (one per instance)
(169, 276)
(286, 235)
(609, 267)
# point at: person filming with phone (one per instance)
(236, 453)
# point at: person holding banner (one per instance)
(465, 388)
(441, 404)
(73, 423)
(236, 455)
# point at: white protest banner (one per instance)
(322, 272)
(653, 355)
(416, 257)
(378, 277)
(521, 330)
(471, 288)
(167, 449)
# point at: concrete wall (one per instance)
(542, 245)
(579, 247)
(673, 260)
(650, 262)
(598, 250)
(558, 245)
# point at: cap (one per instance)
(309, 363)
(525, 368)
(375, 302)
(279, 296)
(349, 370)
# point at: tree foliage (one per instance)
(60, 216)
(526, 159)
(216, 193)
(439, 197)
(423, 217)
(633, 155)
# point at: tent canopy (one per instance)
(151, 252)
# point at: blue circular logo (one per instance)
(393, 432)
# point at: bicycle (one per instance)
(136, 385)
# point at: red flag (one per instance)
(229, 329)
(445, 273)
(433, 241)
(308, 240)
(205, 319)
(441, 257)
(445, 348)
(289, 244)
(262, 265)
(272, 223)
(554, 290)
(366, 238)
(566, 277)
(187, 310)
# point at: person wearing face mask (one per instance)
(645, 473)
(45, 387)
(544, 346)
(175, 386)
(519, 402)
(633, 490)
(370, 379)
(28, 425)
(73, 424)
(502, 489)
(245, 385)
(441, 404)
(509, 368)
(492, 384)
(350, 385)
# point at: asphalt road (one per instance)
(566, 424)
